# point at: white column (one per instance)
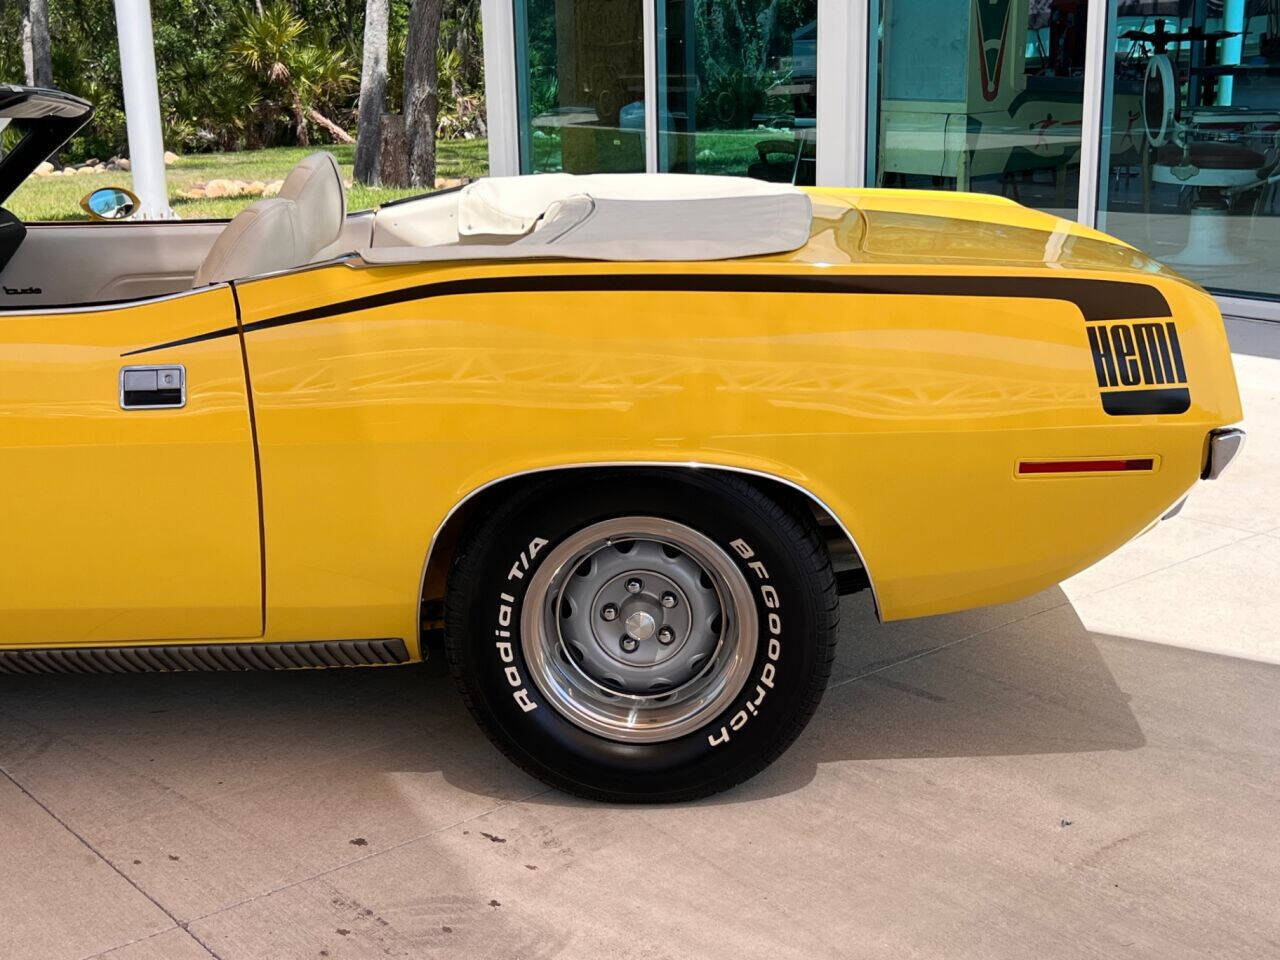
(842, 92)
(651, 109)
(142, 109)
(1095, 114)
(503, 117)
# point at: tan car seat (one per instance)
(282, 232)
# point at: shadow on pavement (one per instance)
(1032, 686)
(977, 684)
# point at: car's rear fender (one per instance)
(905, 412)
(470, 508)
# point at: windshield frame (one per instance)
(47, 119)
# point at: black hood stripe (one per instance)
(1095, 299)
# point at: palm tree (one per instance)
(304, 75)
(373, 91)
(463, 19)
(320, 72)
(265, 42)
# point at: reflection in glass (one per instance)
(1191, 137)
(737, 82)
(580, 74)
(980, 95)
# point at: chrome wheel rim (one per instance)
(639, 629)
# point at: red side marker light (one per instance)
(1127, 465)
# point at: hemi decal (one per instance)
(1097, 300)
(1139, 354)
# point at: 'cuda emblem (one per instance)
(1145, 356)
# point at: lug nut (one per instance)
(629, 645)
(666, 635)
(610, 612)
(634, 585)
(668, 600)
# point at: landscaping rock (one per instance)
(123, 163)
(170, 158)
(223, 187)
(44, 168)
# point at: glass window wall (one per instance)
(1191, 138)
(580, 82)
(737, 88)
(982, 95)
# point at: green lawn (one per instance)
(58, 198)
(720, 152)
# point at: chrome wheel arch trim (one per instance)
(661, 464)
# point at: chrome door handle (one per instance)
(153, 388)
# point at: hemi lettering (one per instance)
(1103, 363)
(1179, 370)
(1142, 353)
(1159, 354)
(1126, 365)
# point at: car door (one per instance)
(122, 261)
(114, 261)
(129, 507)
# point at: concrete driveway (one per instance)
(1030, 780)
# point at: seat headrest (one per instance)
(284, 231)
(315, 185)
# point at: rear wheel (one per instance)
(641, 636)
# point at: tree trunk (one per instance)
(373, 92)
(421, 95)
(335, 131)
(393, 156)
(300, 132)
(36, 59)
(458, 78)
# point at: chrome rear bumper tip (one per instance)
(1224, 444)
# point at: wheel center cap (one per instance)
(641, 625)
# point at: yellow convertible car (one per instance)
(625, 438)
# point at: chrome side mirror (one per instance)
(110, 203)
